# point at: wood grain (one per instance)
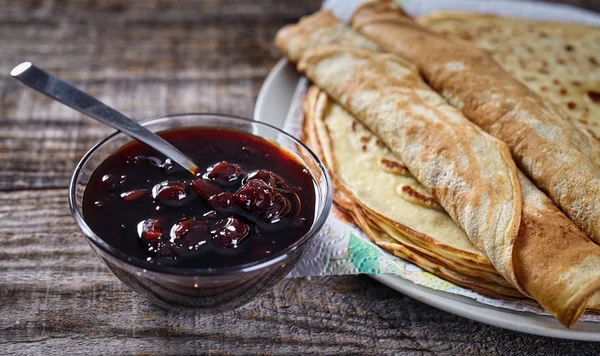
(150, 58)
(146, 58)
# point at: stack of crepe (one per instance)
(430, 176)
(376, 191)
(396, 212)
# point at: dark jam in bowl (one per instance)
(249, 200)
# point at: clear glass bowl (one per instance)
(212, 289)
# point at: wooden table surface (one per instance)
(149, 58)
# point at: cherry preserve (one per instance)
(250, 199)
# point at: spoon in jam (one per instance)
(74, 98)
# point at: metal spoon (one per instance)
(67, 94)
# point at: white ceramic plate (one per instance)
(272, 107)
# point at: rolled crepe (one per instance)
(469, 172)
(557, 60)
(317, 30)
(562, 160)
(553, 259)
(353, 157)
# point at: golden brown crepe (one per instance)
(554, 261)
(553, 257)
(561, 159)
(466, 170)
(319, 29)
(559, 61)
(352, 155)
(364, 154)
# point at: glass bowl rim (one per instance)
(150, 266)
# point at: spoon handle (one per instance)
(67, 94)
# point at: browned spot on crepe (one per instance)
(393, 166)
(594, 96)
(411, 194)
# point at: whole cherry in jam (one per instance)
(224, 174)
(250, 199)
(254, 196)
(190, 234)
(278, 208)
(172, 193)
(263, 175)
(222, 201)
(230, 231)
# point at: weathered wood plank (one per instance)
(56, 295)
(146, 58)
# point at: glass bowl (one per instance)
(211, 289)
